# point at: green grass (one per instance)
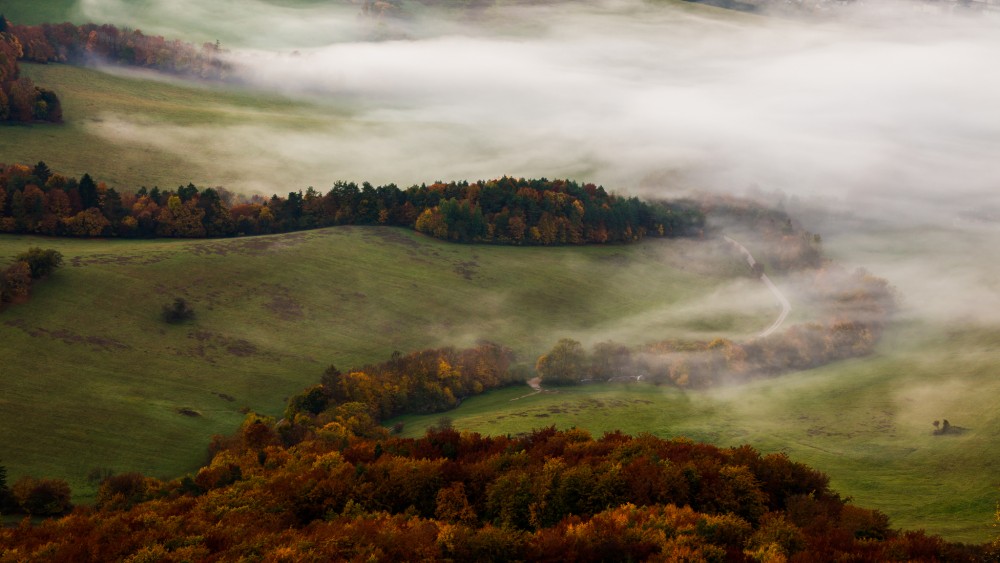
(866, 423)
(93, 378)
(31, 12)
(111, 124)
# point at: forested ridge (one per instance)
(109, 44)
(334, 485)
(502, 211)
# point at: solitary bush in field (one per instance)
(178, 311)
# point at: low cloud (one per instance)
(887, 114)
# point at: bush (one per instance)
(42, 497)
(178, 311)
(41, 262)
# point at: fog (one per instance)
(886, 115)
(877, 126)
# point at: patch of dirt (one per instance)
(188, 412)
(209, 346)
(253, 246)
(224, 397)
(117, 259)
(282, 302)
(466, 269)
(395, 236)
(97, 343)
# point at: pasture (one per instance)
(92, 377)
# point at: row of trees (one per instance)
(856, 307)
(502, 211)
(16, 279)
(20, 100)
(91, 43)
(427, 381)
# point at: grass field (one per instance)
(109, 124)
(31, 12)
(91, 377)
(866, 423)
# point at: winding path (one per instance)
(536, 384)
(786, 307)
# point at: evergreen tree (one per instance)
(42, 171)
(88, 192)
(4, 24)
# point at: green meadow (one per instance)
(92, 377)
(111, 119)
(866, 423)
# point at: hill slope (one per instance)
(92, 377)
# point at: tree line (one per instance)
(502, 211)
(855, 307)
(434, 380)
(20, 100)
(92, 43)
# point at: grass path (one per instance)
(786, 306)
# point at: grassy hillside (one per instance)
(30, 12)
(92, 377)
(866, 423)
(109, 124)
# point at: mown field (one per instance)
(93, 378)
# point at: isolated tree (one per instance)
(565, 364)
(177, 312)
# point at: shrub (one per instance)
(178, 311)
